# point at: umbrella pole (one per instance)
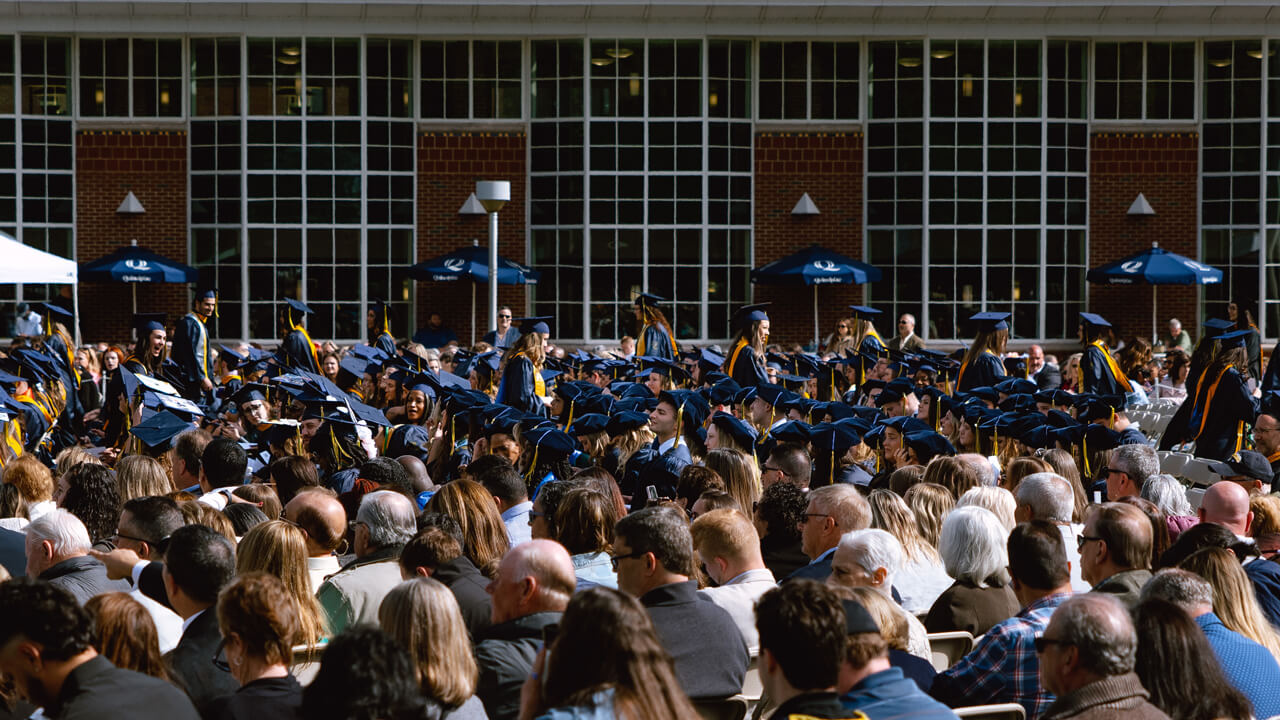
(1155, 336)
(75, 307)
(473, 312)
(815, 318)
(133, 290)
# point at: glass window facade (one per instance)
(1144, 80)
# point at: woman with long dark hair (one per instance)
(982, 366)
(1179, 668)
(654, 338)
(1243, 319)
(745, 363)
(522, 386)
(605, 656)
(1099, 371)
(1222, 406)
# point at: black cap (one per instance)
(148, 322)
(159, 430)
(1248, 463)
(50, 310)
(299, 306)
(857, 620)
(648, 299)
(748, 314)
(990, 321)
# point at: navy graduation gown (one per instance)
(518, 387)
(985, 371)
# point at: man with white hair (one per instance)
(872, 558)
(1048, 496)
(385, 521)
(833, 511)
(58, 551)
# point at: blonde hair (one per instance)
(423, 616)
(725, 533)
(740, 473)
(1266, 516)
(629, 442)
(1233, 600)
(996, 499)
(930, 503)
(484, 536)
(277, 548)
(890, 512)
(891, 619)
(71, 457)
(141, 476)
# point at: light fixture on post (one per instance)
(130, 205)
(493, 196)
(805, 206)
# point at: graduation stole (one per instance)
(203, 346)
(67, 347)
(733, 359)
(310, 345)
(539, 385)
(1203, 408)
(1112, 366)
(13, 437)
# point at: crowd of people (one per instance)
(515, 530)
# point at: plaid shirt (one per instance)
(1003, 668)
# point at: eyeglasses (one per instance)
(780, 471)
(220, 657)
(1106, 472)
(1261, 429)
(1082, 539)
(115, 539)
(505, 317)
(1042, 643)
(615, 559)
(814, 515)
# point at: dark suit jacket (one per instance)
(151, 583)
(468, 588)
(13, 552)
(1049, 377)
(191, 662)
(709, 653)
(819, 571)
(98, 690)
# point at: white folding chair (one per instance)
(1173, 463)
(752, 687)
(948, 647)
(1004, 711)
(1198, 472)
(1195, 496)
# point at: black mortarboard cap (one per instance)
(1234, 339)
(1093, 319)
(626, 420)
(146, 323)
(589, 424)
(299, 306)
(748, 314)
(989, 321)
(742, 433)
(648, 299)
(159, 430)
(537, 323)
(864, 312)
(51, 310)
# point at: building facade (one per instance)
(984, 156)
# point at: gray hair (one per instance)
(996, 499)
(873, 549)
(63, 531)
(1048, 495)
(1180, 587)
(845, 504)
(390, 517)
(1101, 630)
(1139, 461)
(1168, 494)
(973, 545)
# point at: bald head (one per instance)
(417, 470)
(535, 576)
(319, 514)
(1227, 503)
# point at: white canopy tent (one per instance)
(24, 264)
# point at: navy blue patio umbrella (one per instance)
(815, 266)
(473, 262)
(1154, 267)
(132, 264)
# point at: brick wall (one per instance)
(1164, 168)
(828, 166)
(449, 164)
(109, 165)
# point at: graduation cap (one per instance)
(1056, 398)
(863, 312)
(505, 420)
(990, 321)
(888, 396)
(663, 367)
(1099, 437)
(773, 395)
(928, 444)
(537, 323)
(709, 361)
(1016, 386)
(688, 403)
(1093, 320)
(55, 312)
(634, 390)
(208, 293)
(794, 431)
(299, 306)
(1234, 339)
(905, 424)
(172, 403)
(351, 370)
(1270, 403)
(834, 437)
(549, 444)
(626, 420)
(424, 383)
(1100, 407)
(146, 323)
(986, 393)
(1019, 402)
(748, 314)
(158, 431)
(645, 299)
(230, 356)
(1217, 326)
(1016, 366)
(589, 424)
(248, 393)
(743, 434)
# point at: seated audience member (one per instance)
(869, 682)
(584, 526)
(321, 518)
(922, 577)
(604, 662)
(385, 522)
(653, 552)
(58, 552)
(1227, 504)
(1003, 667)
(973, 551)
(872, 558)
(1171, 497)
(124, 634)
(436, 554)
(188, 447)
(802, 644)
(1247, 665)
(1159, 525)
(1048, 496)
(484, 536)
(1234, 600)
(729, 549)
(292, 475)
(833, 511)
(198, 564)
(1249, 469)
(894, 628)
(511, 496)
(1087, 656)
(422, 615)
(34, 484)
(1177, 666)
(778, 518)
(259, 622)
(1265, 576)
(1204, 535)
(280, 550)
(996, 499)
(533, 586)
(1128, 470)
(49, 657)
(364, 673)
(88, 491)
(244, 517)
(1115, 550)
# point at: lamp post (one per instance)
(493, 195)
